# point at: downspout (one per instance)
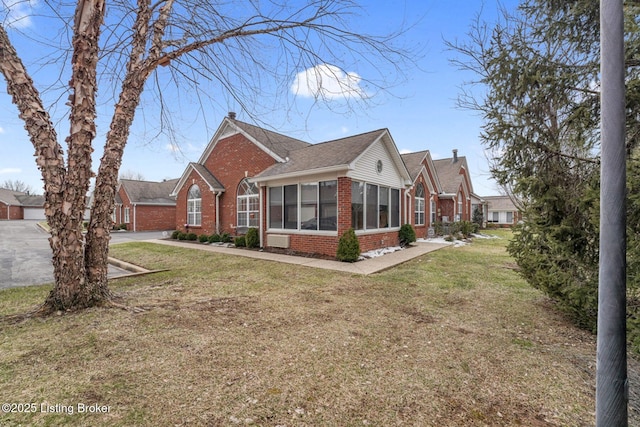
(260, 227)
(218, 212)
(134, 217)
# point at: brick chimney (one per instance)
(455, 155)
(232, 115)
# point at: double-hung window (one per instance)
(248, 204)
(419, 213)
(194, 206)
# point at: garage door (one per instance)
(34, 213)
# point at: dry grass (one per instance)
(454, 338)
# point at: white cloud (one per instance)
(17, 13)
(172, 147)
(328, 82)
(405, 151)
(1, 130)
(4, 171)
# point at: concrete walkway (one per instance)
(368, 266)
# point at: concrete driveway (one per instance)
(25, 255)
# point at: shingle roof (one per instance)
(413, 162)
(339, 152)
(207, 176)
(29, 200)
(500, 203)
(149, 192)
(280, 144)
(9, 197)
(449, 173)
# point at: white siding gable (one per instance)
(366, 167)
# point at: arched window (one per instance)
(248, 204)
(419, 218)
(194, 206)
(460, 213)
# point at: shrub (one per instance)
(203, 238)
(182, 236)
(225, 238)
(192, 237)
(240, 242)
(407, 234)
(175, 234)
(348, 247)
(252, 238)
(214, 238)
(122, 227)
(439, 228)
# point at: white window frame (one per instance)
(126, 215)
(419, 216)
(194, 206)
(248, 195)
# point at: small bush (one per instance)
(226, 238)
(203, 238)
(252, 238)
(175, 234)
(348, 247)
(122, 227)
(240, 242)
(214, 238)
(407, 234)
(192, 237)
(182, 236)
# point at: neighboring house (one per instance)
(422, 196)
(502, 211)
(145, 205)
(479, 204)
(16, 205)
(301, 197)
(455, 198)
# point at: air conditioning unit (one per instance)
(278, 241)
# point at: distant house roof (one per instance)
(9, 197)
(19, 198)
(336, 154)
(149, 192)
(28, 200)
(448, 171)
(500, 203)
(414, 161)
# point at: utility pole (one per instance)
(611, 357)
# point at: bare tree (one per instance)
(16, 185)
(131, 175)
(247, 50)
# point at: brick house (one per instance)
(15, 205)
(455, 198)
(502, 212)
(300, 196)
(145, 205)
(423, 194)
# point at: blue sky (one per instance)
(420, 114)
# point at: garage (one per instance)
(34, 212)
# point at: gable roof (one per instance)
(334, 155)
(275, 144)
(448, 171)
(9, 197)
(29, 200)
(205, 174)
(19, 198)
(330, 156)
(149, 192)
(500, 203)
(415, 163)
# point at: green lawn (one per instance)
(453, 338)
